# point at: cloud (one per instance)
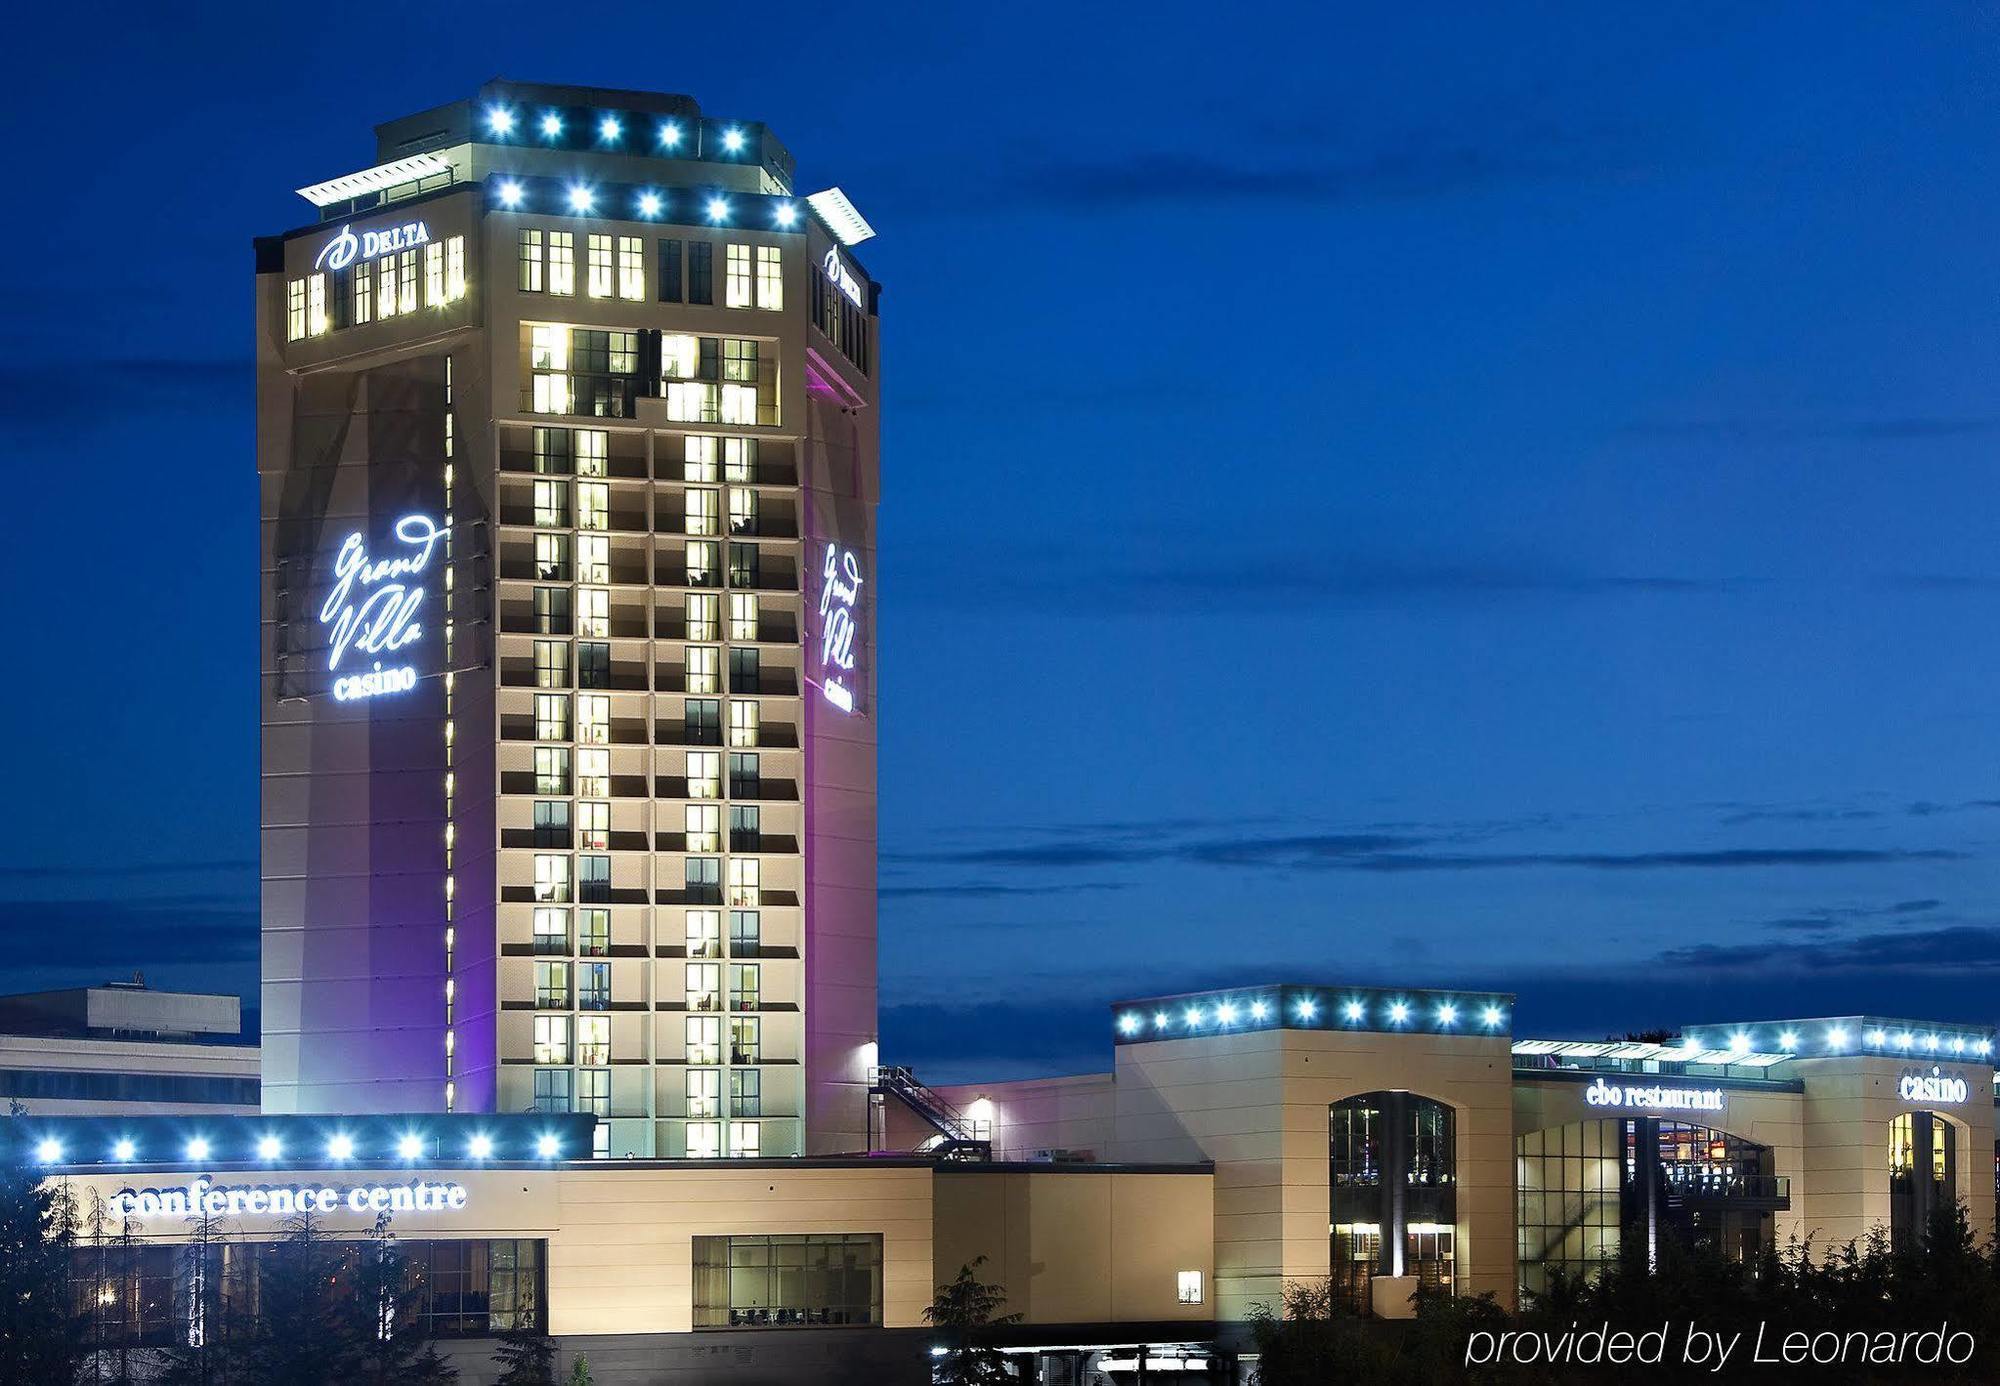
(128, 870)
(980, 889)
(1779, 431)
(121, 934)
(1956, 951)
(65, 393)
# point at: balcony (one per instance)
(1697, 1186)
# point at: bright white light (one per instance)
(547, 1146)
(608, 129)
(1930, 1041)
(1903, 1040)
(580, 198)
(1739, 1043)
(49, 1151)
(1352, 1010)
(1958, 1044)
(1875, 1037)
(124, 1150)
(551, 125)
(197, 1149)
(1193, 1016)
(1836, 1038)
(1398, 1012)
(1490, 1017)
(649, 204)
(787, 214)
(500, 121)
(1258, 1010)
(1788, 1040)
(1128, 1023)
(670, 134)
(410, 1147)
(717, 209)
(1307, 1008)
(270, 1148)
(340, 1148)
(1159, 1020)
(510, 194)
(1226, 1013)
(1447, 1014)
(481, 1147)
(732, 140)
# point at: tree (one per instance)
(1313, 1338)
(209, 1351)
(385, 1318)
(41, 1335)
(579, 1372)
(304, 1335)
(527, 1353)
(110, 1286)
(966, 1310)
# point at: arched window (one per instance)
(1393, 1165)
(1923, 1171)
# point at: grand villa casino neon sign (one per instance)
(374, 606)
(345, 248)
(839, 598)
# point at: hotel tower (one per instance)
(567, 450)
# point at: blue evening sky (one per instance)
(1439, 494)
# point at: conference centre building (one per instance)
(568, 420)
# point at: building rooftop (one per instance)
(124, 1010)
(1292, 1006)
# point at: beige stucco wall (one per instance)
(1080, 1246)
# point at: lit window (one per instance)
(698, 456)
(593, 719)
(704, 929)
(593, 1039)
(562, 262)
(364, 293)
(736, 280)
(593, 774)
(531, 261)
(770, 278)
(551, 554)
(739, 459)
(744, 886)
(552, 769)
(552, 985)
(704, 775)
(700, 565)
(593, 505)
(702, 675)
(454, 269)
(745, 1039)
(548, 347)
(599, 251)
(406, 282)
(593, 558)
(702, 616)
(745, 932)
(551, 717)
(551, 931)
(704, 1140)
(744, 986)
(743, 719)
(704, 1039)
(704, 986)
(746, 1092)
(593, 986)
(631, 268)
(694, 401)
(552, 878)
(593, 447)
(704, 827)
(742, 510)
(701, 509)
(680, 357)
(704, 1092)
(743, 1140)
(295, 311)
(593, 1091)
(434, 274)
(593, 935)
(385, 286)
(739, 404)
(1189, 1287)
(742, 615)
(551, 1039)
(593, 612)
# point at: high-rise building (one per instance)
(567, 445)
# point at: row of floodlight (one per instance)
(1396, 1013)
(339, 1148)
(503, 122)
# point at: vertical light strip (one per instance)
(450, 740)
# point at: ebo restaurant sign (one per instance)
(201, 1198)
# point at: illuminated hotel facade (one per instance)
(567, 444)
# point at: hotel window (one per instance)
(746, 1092)
(551, 611)
(551, 931)
(316, 304)
(742, 510)
(701, 272)
(745, 770)
(593, 719)
(593, 934)
(598, 250)
(701, 509)
(704, 986)
(594, 554)
(703, 616)
(746, 1043)
(454, 269)
(363, 309)
(701, 877)
(743, 986)
(736, 292)
(531, 261)
(743, 717)
(703, 927)
(551, 717)
(562, 262)
(746, 822)
(743, 1140)
(704, 1140)
(701, 721)
(593, 612)
(745, 932)
(593, 986)
(552, 985)
(551, 551)
(593, 827)
(593, 779)
(680, 359)
(739, 360)
(593, 1091)
(552, 879)
(551, 770)
(295, 311)
(593, 664)
(551, 1039)
(592, 451)
(552, 1089)
(552, 823)
(744, 666)
(551, 445)
(787, 1281)
(385, 286)
(406, 282)
(744, 887)
(704, 1092)
(693, 401)
(742, 615)
(595, 1041)
(770, 278)
(593, 879)
(593, 505)
(743, 565)
(701, 660)
(670, 271)
(704, 1039)
(434, 274)
(1187, 1287)
(739, 457)
(704, 779)
(700, 565)
(551, 504)
(704, 827)
(631, 268)
(698, 457)
(739, 404)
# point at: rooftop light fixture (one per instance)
(1353, 1010)
(270, 1148)
(1788, 1040)
(580, 198)
(1876, 1037)
(1226, 1013)
(732, 140)
(717, 209)
(1160, 1020)
(1836, 1038)
(124, 1149)
(551, 125)
(481, 1146)
(1128, 1023)
(1193, 1016)
(670, 134)
(649, 204)
(1447, 1014)
(49, 1151)
(410, 1146)
(1307, 1008)
(341, 1147)
(197, 1149)
(547, 1145)
(500, 121)
(1399, 1011)
(1739, 1043)
(609, 129)
(1258, 1010)
(1490, 1017)
(510, 194)
(786, 214)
